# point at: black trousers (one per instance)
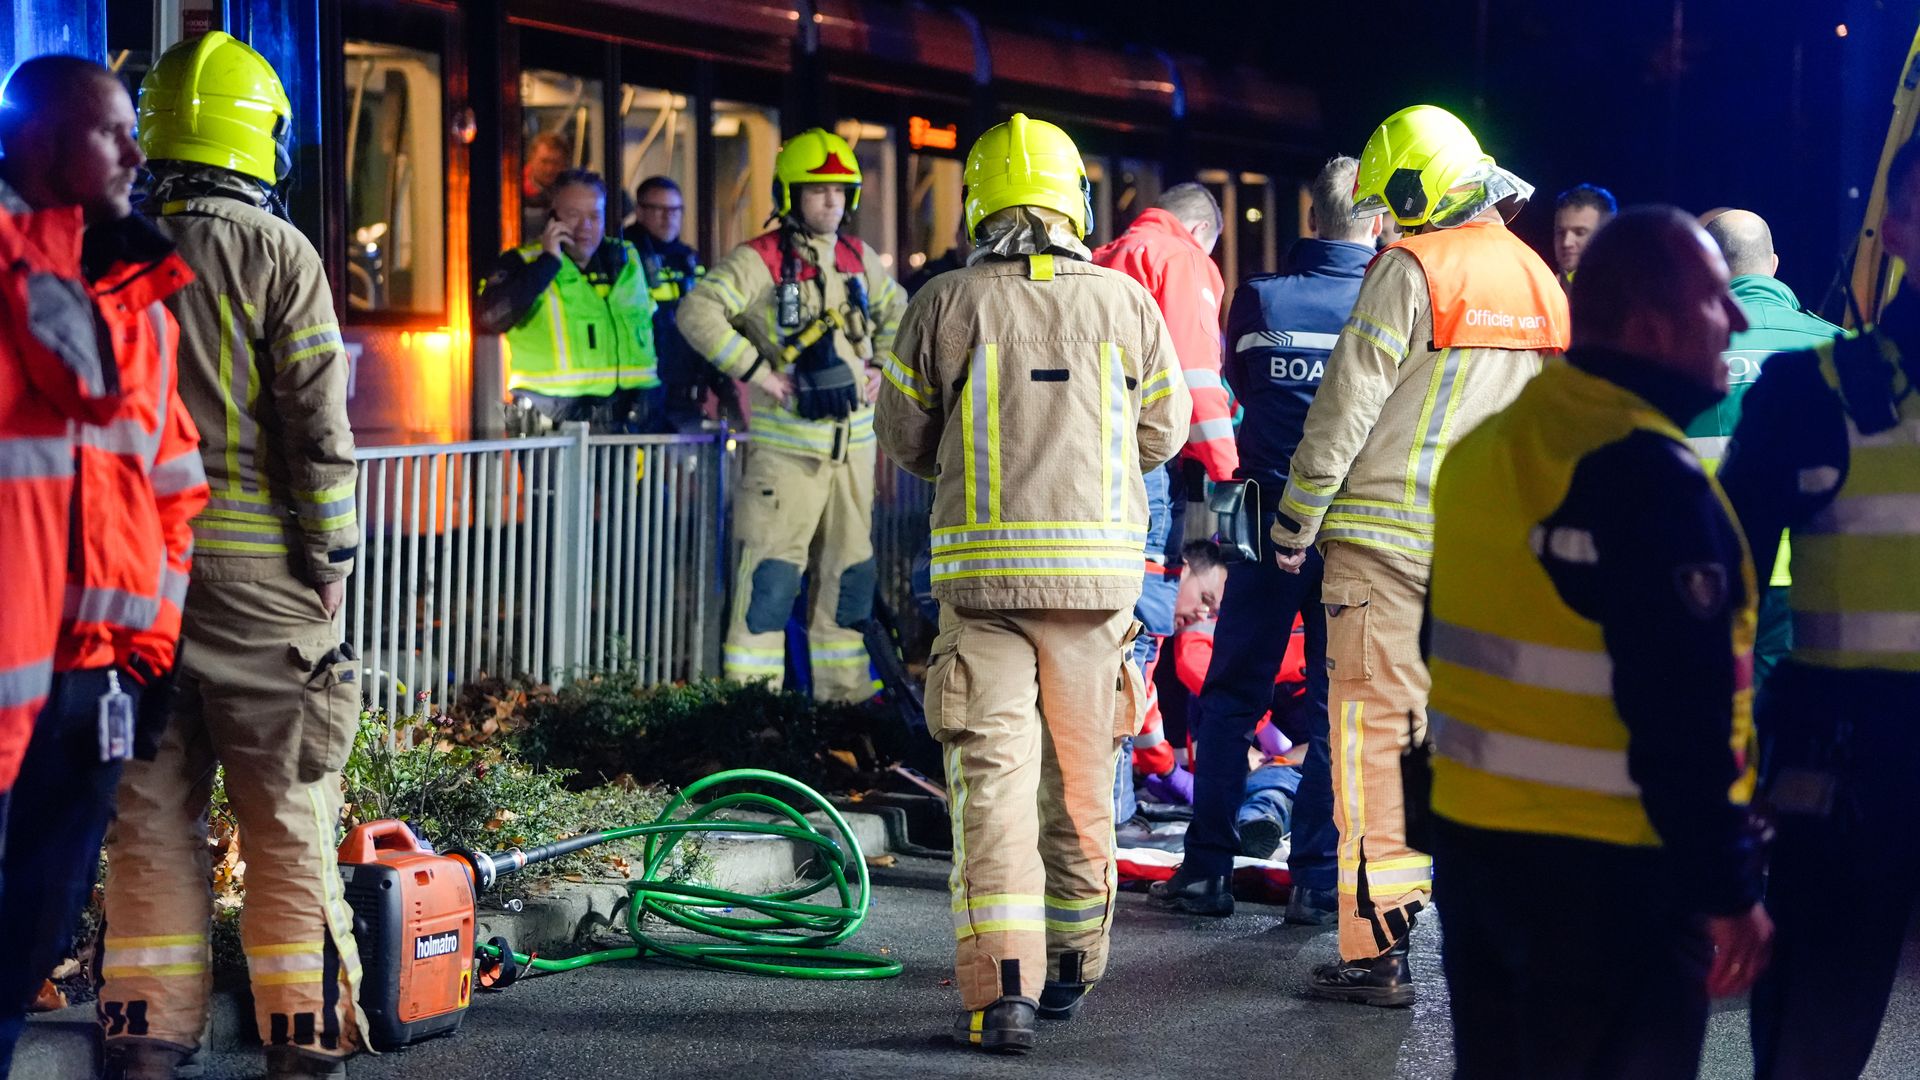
(1841, 886)
(1542, 984)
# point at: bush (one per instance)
(609, 726)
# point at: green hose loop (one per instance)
(781, 933)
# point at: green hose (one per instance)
(781, 933)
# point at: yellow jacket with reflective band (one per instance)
(731, 317)
(263, 372)
(1526, 735)
(584, 339)
(1856, 575)
(1388, 409)
(1034, 391)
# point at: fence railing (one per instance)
(540, 556)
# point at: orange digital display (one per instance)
(922, 135)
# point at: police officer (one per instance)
(576, 317)
(673, 268)
(1450, 323)
(1032, 388)
(1775, 323)
(267, 689)
(1280, 330)
(1829, 447)
(1591, 650)
(803, 313)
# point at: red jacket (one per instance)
(1159, 253)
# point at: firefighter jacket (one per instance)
(1449, 325)
(1035, 391)
(1592, 656)
(570, 330)
(263, 371)
(1280, 330)
(672, 270)
(732, 318)
(85, 437)
(1829, 446)
(1157, 251)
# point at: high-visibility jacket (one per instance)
(139, 477)
(1035, 391)
(263, 371)
(1158, 252)
(1527, 734)
(732, 318)
(1856, 562)
(584, 339)
(1448, 327)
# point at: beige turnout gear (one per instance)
(806, 495)
(266, 691)
(1034, 390)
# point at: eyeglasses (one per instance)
(660, 208)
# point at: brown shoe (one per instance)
(289, 1061)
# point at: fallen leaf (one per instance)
(48, 999)
(67, 969)
(881, 860)
(845, 757)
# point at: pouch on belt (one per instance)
(330, 712)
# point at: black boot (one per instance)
(1385, 980)
(287, 1061)
(1060, 997)
(1004, 1027)
(148, 1059)
(1312, 907)
(1193, 895)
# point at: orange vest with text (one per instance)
(1489, 290)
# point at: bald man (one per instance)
(1775, 323)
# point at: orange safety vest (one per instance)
(1489, 290)
(141, 481)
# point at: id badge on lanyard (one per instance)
(116, 722)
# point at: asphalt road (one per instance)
(1183, 997)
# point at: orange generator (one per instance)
(413, 919)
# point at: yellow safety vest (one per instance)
(1526, 734)
(1856, 563)
(584, 339)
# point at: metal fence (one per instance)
(540, 556)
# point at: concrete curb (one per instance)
(62, 1045)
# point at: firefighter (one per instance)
(267, 689)
(1828, 445)
(803, 313)
(99, 475)
(1032, 388)
(1450, 323)
(576, 320)
(1591, 650)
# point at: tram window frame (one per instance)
(929, 241)
(689, 180)
(423, 33)
(756, 193)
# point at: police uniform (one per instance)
(1591, 652)
(673, 268)
(805, 498)
(1829, 446)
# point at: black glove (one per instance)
(154, 702)
(824, 387)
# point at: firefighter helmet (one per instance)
(1027, 163)
(1423, 166)
(215, 101)
(815, 156)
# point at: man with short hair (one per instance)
(1450, 323)
(1776, 323)
(575, 317)
(1591, 631)
(1280, 331)
(1829, 446)
(1578, 213)
(673, 268)
(803, 314)
(100, 475)
(548, 155)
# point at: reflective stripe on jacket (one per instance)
(582, 338)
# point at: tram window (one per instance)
(1227, 251)
(746, 138)
(1136, 187)
(875, 222)
(934, 213)
(1098, 178)
(656, 139)
(561, 128)
(1256, 226)
(396, 230)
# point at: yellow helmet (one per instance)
(1027, 163)
(1423, 166)
(815, 156)
(215, 101)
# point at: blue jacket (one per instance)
(1280, 329)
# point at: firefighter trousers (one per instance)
(1030, 708)
(1377, 702)
(792, 514)
(264, 693)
